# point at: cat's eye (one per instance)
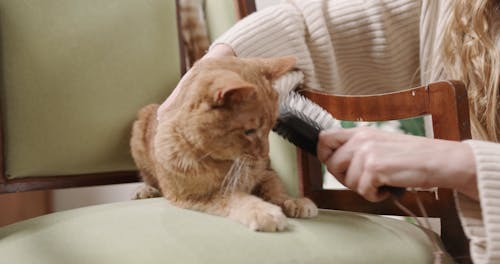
(250, 131)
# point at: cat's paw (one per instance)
(266, 217)
(146, 192)
(300, 208)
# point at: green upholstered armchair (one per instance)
(73, 75)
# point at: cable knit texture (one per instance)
(365, 47)
(374, 43)
(485, 248)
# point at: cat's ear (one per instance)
(234, 92)
(276, 67)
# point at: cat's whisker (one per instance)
(227, 182)
(242, 177)
(244, 168)
(235, 175)
(205, 156)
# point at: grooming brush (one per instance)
(301, 120)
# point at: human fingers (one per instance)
(369, 186)
(354, 161)
(220, 50)
(344, 142)
(330, 140)
(339, 162)
(337, 148)
(338, 166)
(347, 161)
(362, 174)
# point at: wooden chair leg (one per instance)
(453, 237)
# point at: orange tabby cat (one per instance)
(209, 150)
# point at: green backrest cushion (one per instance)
(151, 231)
(74, 74)
(284, 161)
(220, 16)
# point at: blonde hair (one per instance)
(471, 54)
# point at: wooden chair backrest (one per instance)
(446, 102)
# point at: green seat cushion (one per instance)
(152, 231)
(74, 74)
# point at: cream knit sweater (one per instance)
(366, 47)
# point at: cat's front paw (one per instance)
(146, 192)
(300, 208)
(263, 216)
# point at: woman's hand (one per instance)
(364, 159)
(219, 50)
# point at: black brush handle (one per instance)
(298, 131)
(395, 191)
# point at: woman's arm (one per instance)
(364, 159)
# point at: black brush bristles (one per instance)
(300, 131)
(300, 121)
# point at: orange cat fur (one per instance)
(209, 150)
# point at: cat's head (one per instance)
(228, 106)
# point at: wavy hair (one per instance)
(471, 53)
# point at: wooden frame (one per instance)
(446, 102)
(16, 207)
(65, 181)
(245, 7)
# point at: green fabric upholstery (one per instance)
(74, 73)
(220, 15)
(284, 161)
(152, 231)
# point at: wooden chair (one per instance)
(446, 103)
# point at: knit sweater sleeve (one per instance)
(342, 46)
(481, 220)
